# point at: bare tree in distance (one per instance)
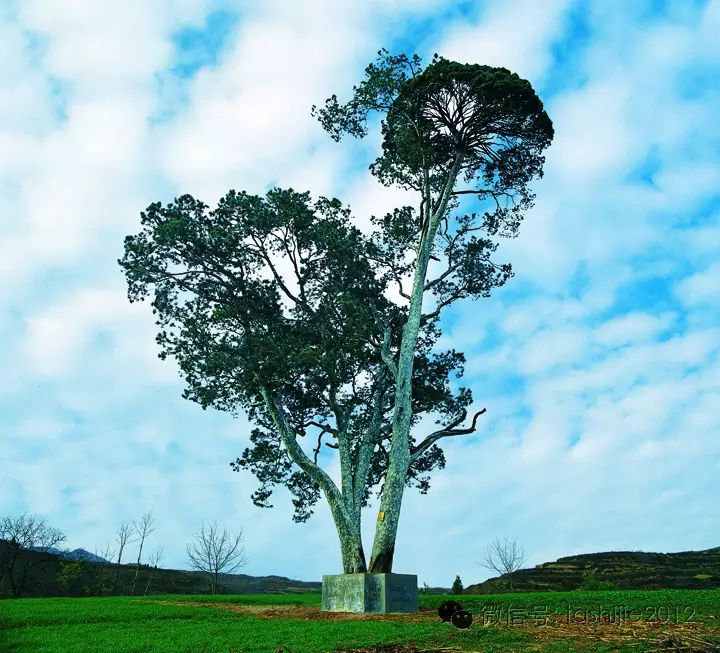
(142, 529)
(505, 557)
(19, 535)
(123, 539)
(153, 563)
(215, 553)
(101, 571)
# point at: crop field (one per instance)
(638, 621)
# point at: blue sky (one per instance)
(597, 363)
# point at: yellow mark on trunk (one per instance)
(381, 516)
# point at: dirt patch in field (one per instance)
(651, 636)
(308, 612)
(689, 637)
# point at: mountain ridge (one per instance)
(75, 554)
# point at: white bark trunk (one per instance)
(391, 500)
(347, 522)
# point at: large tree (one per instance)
(314, 344)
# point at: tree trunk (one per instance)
(391, 500)
(386, 528)
(349, 531)
(147, 586)
(137, 567)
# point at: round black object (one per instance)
(461, 618)
(447, 609)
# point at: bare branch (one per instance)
(26, 532)
(298, 300)
(326, 428)
(124, 537)
(327, 444)
(456, 295)
(437, 280)
(101, 571)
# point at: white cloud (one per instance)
(632, 328)
(514, 35)
(553, 347)
(701, 287)
(249, 120)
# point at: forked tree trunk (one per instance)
(346, 506)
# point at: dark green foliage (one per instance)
(233, 333)
(592, 582)
(457, 586)
(489, 115)
(70, 575)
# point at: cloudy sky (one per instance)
(598, 362)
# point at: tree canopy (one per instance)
(321, 356)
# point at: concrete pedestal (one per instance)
(373, 593)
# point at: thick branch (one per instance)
(341, 419)
(299, 457)
(417, 451)
(371, 437)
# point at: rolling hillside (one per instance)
(624, 569)
(44, 579)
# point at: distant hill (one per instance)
(75, 554)
(44, 580)
(624, 569)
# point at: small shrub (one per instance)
(70, 575)
(424, 589)
(457, 586)
(592, 582)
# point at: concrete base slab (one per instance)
(371, 593)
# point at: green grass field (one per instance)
(517, 622)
